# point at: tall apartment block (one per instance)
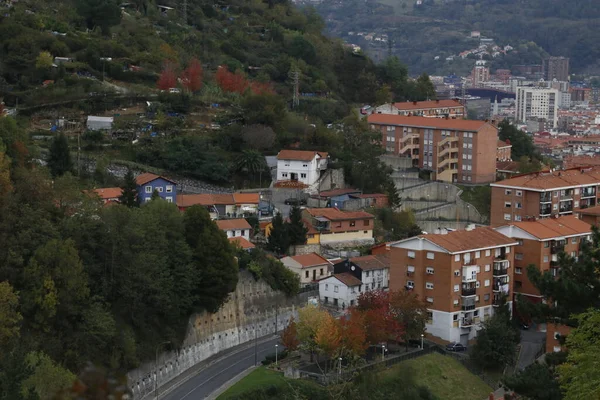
(461, 275)
(536, 102)
(453, 150)
(556, 68)
(539, 244)
(430, 108)
(544, 194)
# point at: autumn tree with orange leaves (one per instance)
(380, 321)
(354, 334)
(289, 336)
(231, 82)
(191, 78)
(328, 337)
(168, 76)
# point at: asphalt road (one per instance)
(214, 376)
(531, 343)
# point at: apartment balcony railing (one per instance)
(558, 248)
(500, 271)
(546, 198)
(468, 291)
(588, 193)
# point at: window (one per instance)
(518, 270)
(518, 256)
(555, 193)
(573, 254)
(430, 300)
(555, 207)
(169, 189)
(576, 204)
(455, 302)
(457, 257)
(476, 313)
(507, 217)
(486, 297)
(430, 256)
(302, 175)
(574, 240)
(507, 250)
(243, 232)
(148, 189)
(456, 288)
(456, 272)
(545, 258)
(410, 284)
(411, 254)
(518, 193)
(455, 317)
(508, 192)
(576, 190)
(486, 283)
(305, 165)
(306, 274)
(488, 253)
(336, 288)
(284, 175)
(326, 286)
(430, 270)
(518, 205)
(507, 204)
(169, 199)
(367, 274)
(321, 271)
(159, 189)
(429, 285)
(477, 254)
(546, 245)
(487, 267)
(352, 223)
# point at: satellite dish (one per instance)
(352, 268)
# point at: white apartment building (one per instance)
(301, 166)
(535, 102)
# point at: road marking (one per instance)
(220, 372)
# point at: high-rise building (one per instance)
(463, 276)
(454, 150)
(481, 74)
(536, 102)
(556, 68)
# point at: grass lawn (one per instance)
(447, 378)
(260, 377)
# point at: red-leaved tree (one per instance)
(191, 78)
(289, 336)
(231, 82)
(380, 320)
(261, 88)
(168, 77)
(354, 335)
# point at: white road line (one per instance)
(220, 372)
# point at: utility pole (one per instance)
(185, 12)
(295, 75)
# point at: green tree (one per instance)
(536, 382)
(497, 341)
(580, 375)
(10, 318)
(251, 162)
(279, 240)
(424, 88)
(48, 378)
(215, 269)
(101, 13)
(383, 95)
(44, 60)
(527, 165)
(295, 227)
(155, 195)
(522, 144)
(129, 195)
(392, 193)
(59, 160)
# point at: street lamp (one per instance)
(383, 349)
(422, 336)
(276, 347)
(156, 367)
(340, 367)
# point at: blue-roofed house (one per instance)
(147, 183)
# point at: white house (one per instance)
(340, 290)
(375, 271)
(99, 123)
(309, 267)
(301, 166)
(235, 227)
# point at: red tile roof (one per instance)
(555, 227)
(424, 122)
(335, 214)
(242, 242)
(423, 105)
(109, 193)
(246, 198)
(310, 260)
(348, 279)
(507, 166)
(337, 192)
(228, 224)
(590, 211)
(367, 263)
(300, 155)
(502, 143)
(188, 200)
(547, 180)
(148, 177)
(464, 240)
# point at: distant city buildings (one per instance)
(556, 68)
(535, 103)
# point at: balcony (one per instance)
(497, 301)
(500, 284)
(467, 322)
(408, 147)
(565, 207)
(588, 192)
(546, 197)
(545, 210)
(557, 247)
(468, 291)
(447, 161)
(567, 195)
(501, 257)
(500, 271)
(447, 140)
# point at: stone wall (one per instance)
(253, 310)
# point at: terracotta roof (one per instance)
(311, 229)
(225, 199)
(507, 166)
(335, 214)
(424, 122)
(188, 200)
(242, 242)
(580, 161)
(246, 198)
(337, 192)
(502, 143)
(367, 263)
(348, 279)
(300, 155)
(228, 224)
(310, 260)
(547, 180)
(108, 193)
(148, 177)
(555, 227)
(590, 211)
(479, 238)
(423, 105)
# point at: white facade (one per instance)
(307, 274)
(245, 233)
(334, 292)
(99, 123)
(375, 279)
(533, 102)
(307, 172)
(364, 236)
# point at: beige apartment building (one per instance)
(461, 275)
(454, 150)
(544, 194)
(431, 109)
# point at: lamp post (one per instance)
(156, 367)
(276, 348)
(340, 368)
(422, 336)
(383, 352)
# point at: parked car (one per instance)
(456, 347)
(295, 202)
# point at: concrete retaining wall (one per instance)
(253, 310)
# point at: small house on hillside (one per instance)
(301, 166)
(228, 205)
(309, 267)
(235, 228)
(148, 183)
(109, 195)
(95, 123)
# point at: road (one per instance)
(214, 376)
(531, 343)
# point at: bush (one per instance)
(270, 359)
